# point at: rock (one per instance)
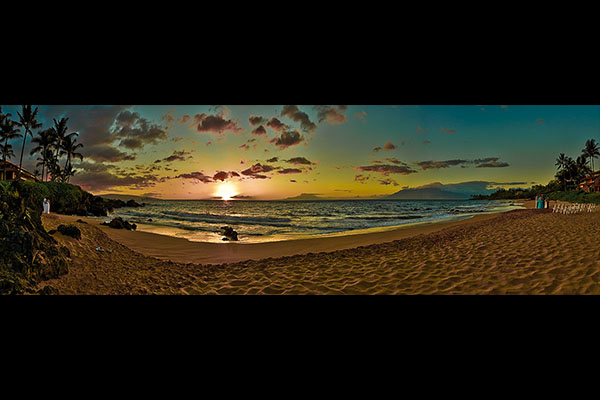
(133, 203)
(229, 233)
(119, 223)
(70, 230)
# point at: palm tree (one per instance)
(8, 131)
(591, 150)
(7, 151)
(60, 134)
(581, 168)
(69, 148)
(561, 161)
(27, 120)
(44, 142)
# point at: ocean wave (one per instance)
(227, 219)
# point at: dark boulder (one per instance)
(120, 223)
(132, 203)
(229, 233)
(70, 230)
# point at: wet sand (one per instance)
(518, 252)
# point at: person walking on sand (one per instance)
(46, 206)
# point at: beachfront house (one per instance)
(12, 170)
(591, 183)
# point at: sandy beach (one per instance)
(517, 252)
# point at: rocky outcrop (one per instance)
(120, 223)
(28, 254)
(68, 230)
(229, 233)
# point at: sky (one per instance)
(346, 151)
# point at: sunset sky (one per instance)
(274, 152)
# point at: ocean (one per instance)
(267, 221)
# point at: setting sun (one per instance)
(226, 191)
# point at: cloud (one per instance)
(334, 116)
(274, 159)
(425, 165)
(489, 162)
(448, 130)
(539, 121)
(136, 131)
(107, 153)
(389, 146)
(376, 149)
(361, 178)
(220, 176)
(276, 125)
(215, 124)
(426, 141)
(257, 170)
(287, 139)
(299, 161)
(95, 181)
(260, 131)
(196, 175)
(293, 113)
(388, 181)
(177, 156)
(493, 164)
(244, 146)
(386, 169)
(394, 160)
(290, 171)
(256, 120)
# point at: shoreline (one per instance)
(181, 250)
(516, 252)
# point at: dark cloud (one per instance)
(257, 120)
(136, 131)
(388, 181)
(276, 125)
(290, 171)
(220, 176)
(215, 124)
(299, 161)
(376, 149)
(287, 139)
(331, 114)
(104, 180)
(105, 153)
(260, 131)
(293, 113)
(394, 160)
(361, 178)
(493, 164)
(177, 156)
(256, 170)
(426, 141)
(439, 164)
(386, 169)
(196, 175)
(389, 146)
(489, 162)
(274, 159)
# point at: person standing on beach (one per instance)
(46, 206)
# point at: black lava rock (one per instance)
(120, 223)
(229, 233)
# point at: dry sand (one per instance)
(521, 252)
